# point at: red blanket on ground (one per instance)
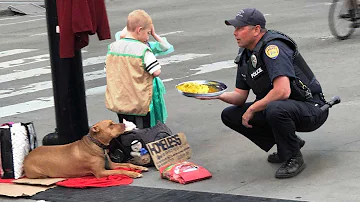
(6, 180)
(92, 181)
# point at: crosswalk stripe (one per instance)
(170, 33)
(24, 74)
(34, 87)
(15, 51)
(46, 102)
(214, 67)
(13, 23)
(24, 61)
(37, 104)
(43, 70)
(180, 58)
(40, 103)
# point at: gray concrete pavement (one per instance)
(238, 166)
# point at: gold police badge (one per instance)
(272, 51)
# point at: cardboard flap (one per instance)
(17, 190)
(43, 182)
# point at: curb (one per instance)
(6, 12)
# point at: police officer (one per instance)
(288, 96)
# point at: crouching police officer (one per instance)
(288, 96)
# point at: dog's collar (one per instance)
(95, 141)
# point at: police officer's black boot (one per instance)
(291, 167)
(274, 157)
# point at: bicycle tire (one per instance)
(337, 32)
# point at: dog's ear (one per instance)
(94, 129)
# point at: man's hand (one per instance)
(247, 116)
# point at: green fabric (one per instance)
(157, 50)
(154, 45)
(158, 110)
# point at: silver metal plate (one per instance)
(219, 86)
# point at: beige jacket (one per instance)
(129, 86)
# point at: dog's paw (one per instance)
(135, 175)
(142, 168)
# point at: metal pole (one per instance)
(68, 87)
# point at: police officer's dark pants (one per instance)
(277, 124)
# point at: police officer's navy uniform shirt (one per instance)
(282, 65)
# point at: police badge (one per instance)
(253, 61)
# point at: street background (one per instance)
(205, 49)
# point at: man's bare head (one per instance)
(137, 19)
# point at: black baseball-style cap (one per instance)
(247, 16)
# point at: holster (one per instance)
(299, 91)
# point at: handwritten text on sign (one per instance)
(171, 149)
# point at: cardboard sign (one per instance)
(171, 149)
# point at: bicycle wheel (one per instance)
(340, 20)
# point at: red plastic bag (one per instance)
(184, 172)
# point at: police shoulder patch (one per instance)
(272, 51)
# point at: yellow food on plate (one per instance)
(192, 87)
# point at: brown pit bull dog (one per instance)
(83, 157)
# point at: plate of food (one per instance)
(201, 88)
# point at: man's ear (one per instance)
(257, 29)
(94, 129)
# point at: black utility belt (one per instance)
(318, 99)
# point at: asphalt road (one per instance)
(204, 49)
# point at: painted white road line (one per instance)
(94, 60)
(34, 87)
(317, 4)
(41, 34)
(180, 58)
(43, 70)
(24, 74)
(24, 61)
(46, 102)
(89, 76)
(28, 16)
(167, 80)
(169, 33)
(214, 67)
(14, 23)
(15, 51)
(39, 103)
(206, 69)
(165, 34)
